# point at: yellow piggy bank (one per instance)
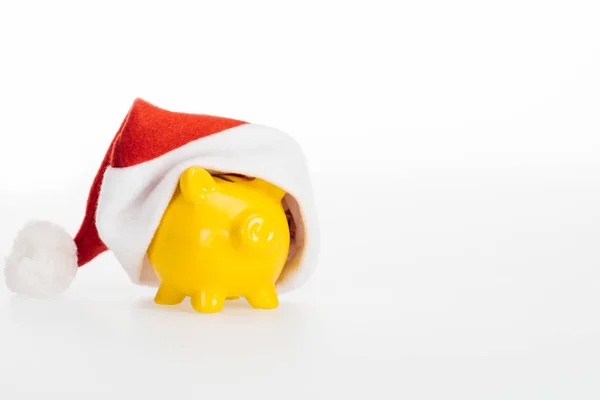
(221, 237)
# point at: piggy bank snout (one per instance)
(254, 231)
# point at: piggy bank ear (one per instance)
(195, 183)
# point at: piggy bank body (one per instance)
(221, 237)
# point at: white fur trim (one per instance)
(133, 199)
(43, 260)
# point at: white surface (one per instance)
(455, 152)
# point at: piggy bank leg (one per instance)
(208, 301)
(168, 296)
(266, 297)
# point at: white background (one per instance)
(454, 148)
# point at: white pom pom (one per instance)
(43, 260)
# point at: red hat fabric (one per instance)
(147, 132)
(135, 183)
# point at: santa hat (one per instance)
(135, 183)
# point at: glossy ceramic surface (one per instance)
(221, 237)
